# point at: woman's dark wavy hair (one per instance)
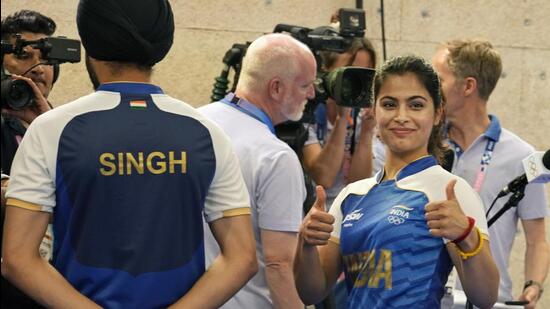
(428, 77)
(27, 21)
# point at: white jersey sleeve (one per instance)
(227, 195)
(360, 187)
(31, 183)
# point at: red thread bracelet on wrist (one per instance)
(471, 223)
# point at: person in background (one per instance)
(30, 67)
(327, 153)
(469, 71)
(31, 25)
(275, 83)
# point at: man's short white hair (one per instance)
(269, 56)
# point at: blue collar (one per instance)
(411, 168)
(248, 108)
(131, 88)
(491, 133)
(494, 129)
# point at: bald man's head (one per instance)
(278, 75)
(273, 55)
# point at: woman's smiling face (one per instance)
(405, 115)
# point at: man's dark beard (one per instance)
(91, 73)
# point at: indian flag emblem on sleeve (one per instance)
(141, 104)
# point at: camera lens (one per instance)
(356, 88)
(16, 94)
(352, 88)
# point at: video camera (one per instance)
(349, 86)
(18, 94)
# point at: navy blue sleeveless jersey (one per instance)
(390, 258)
(128, 173)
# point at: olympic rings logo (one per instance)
(395, 220)
(532, 166)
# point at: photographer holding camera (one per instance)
(328, 156)
(31, 25)
(325, 139)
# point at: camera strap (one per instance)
(249, 109)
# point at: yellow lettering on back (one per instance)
(121, 163)
(172, 161)
(109, 167)
(156, 162)
(160, 165)
(137, 164)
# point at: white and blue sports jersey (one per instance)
(390, 258)
(128, 173)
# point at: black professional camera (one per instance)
(349, 86)
(352, 25)
(17, 94)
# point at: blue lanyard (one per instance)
(249, 109)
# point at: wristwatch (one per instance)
(529, 283)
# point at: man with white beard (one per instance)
(275, 83)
